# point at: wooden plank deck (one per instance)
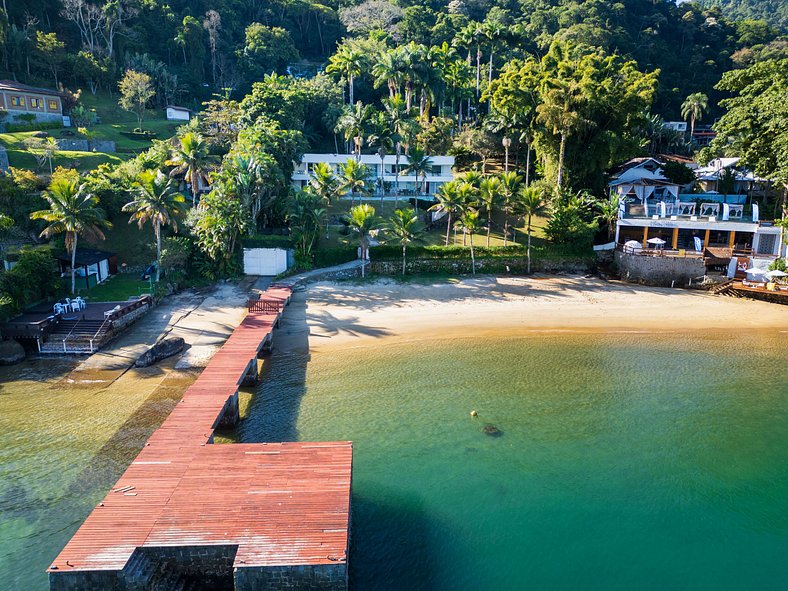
(281, 503)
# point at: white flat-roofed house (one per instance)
(386, 169)
(175, 113)
(21, 99)
(677, 126)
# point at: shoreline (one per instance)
(347, 314)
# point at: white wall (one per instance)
(177, 114)
(265, 261)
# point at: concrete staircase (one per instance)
(78, 335)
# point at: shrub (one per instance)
(267, 241)
(33, 278)
(328, 257)
(34, 126)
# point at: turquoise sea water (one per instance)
(627, 461)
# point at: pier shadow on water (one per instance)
(272, 414)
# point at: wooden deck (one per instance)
(280, 503)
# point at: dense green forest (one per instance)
(774, 12)
(193, 48)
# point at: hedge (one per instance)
(267, 241)
(328, 257)
(33, 126)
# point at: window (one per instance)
(35, 103)
(437, 170)
(766, 243)
(53, 105)
(16, 101)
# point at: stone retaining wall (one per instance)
(513, 265)
(324, 577)
(79, 145)
(660, 271)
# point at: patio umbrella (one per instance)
(755, 272)
(632, 245)
(776, 273)
(657, 241)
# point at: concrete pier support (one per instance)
(231, 413)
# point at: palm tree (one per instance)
(530, 202)
(608, 213)
(510, 185)
(355, 178)
(191, 161)
(558, 112)
(469, 224)
(324, 182)
(468, 195)
(419, 164)
(382, 136)
(305, 216)
(348, 63)
(489, 193)
(352, 124)
(72, 211)
(362, 221)
(156, 200)
(405, 228)
(448, 201)
(399, 116)
(388, 69)
(692, 108)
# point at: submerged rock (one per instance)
(11, 352)
(492, 431)
(161, 350)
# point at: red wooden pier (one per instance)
(186, 504)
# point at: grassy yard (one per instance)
(117, 288)
(436, 235)
(114, 121)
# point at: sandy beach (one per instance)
(348, 313)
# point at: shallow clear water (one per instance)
(627, 461)
(62, 445)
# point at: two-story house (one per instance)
(21, 99)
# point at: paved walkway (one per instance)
(203, 320)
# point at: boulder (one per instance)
(492, 431)
(11, 352)
(161, 350)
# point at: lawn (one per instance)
(114, 121)
(117, 288)
(436, 235)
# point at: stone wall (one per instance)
(78, 145)
(202, 567)
(513, 265)
(322, 577)
(654, 270)
(82, 580)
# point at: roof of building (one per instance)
(85, 256)
(11, 85)
(644, 181)
(179, 108)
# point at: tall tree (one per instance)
(405, 229)
(362, 221)
(354, 179)
(191, 161)
(469, 224)
(489, 194)
(755, 123)
(136, 89)
(449, 201)
(348, 64)
(73, 211)
(156, 200)
(353, 123)
(510, 185)
(419, 165)
(693, 107)
(530, 203)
